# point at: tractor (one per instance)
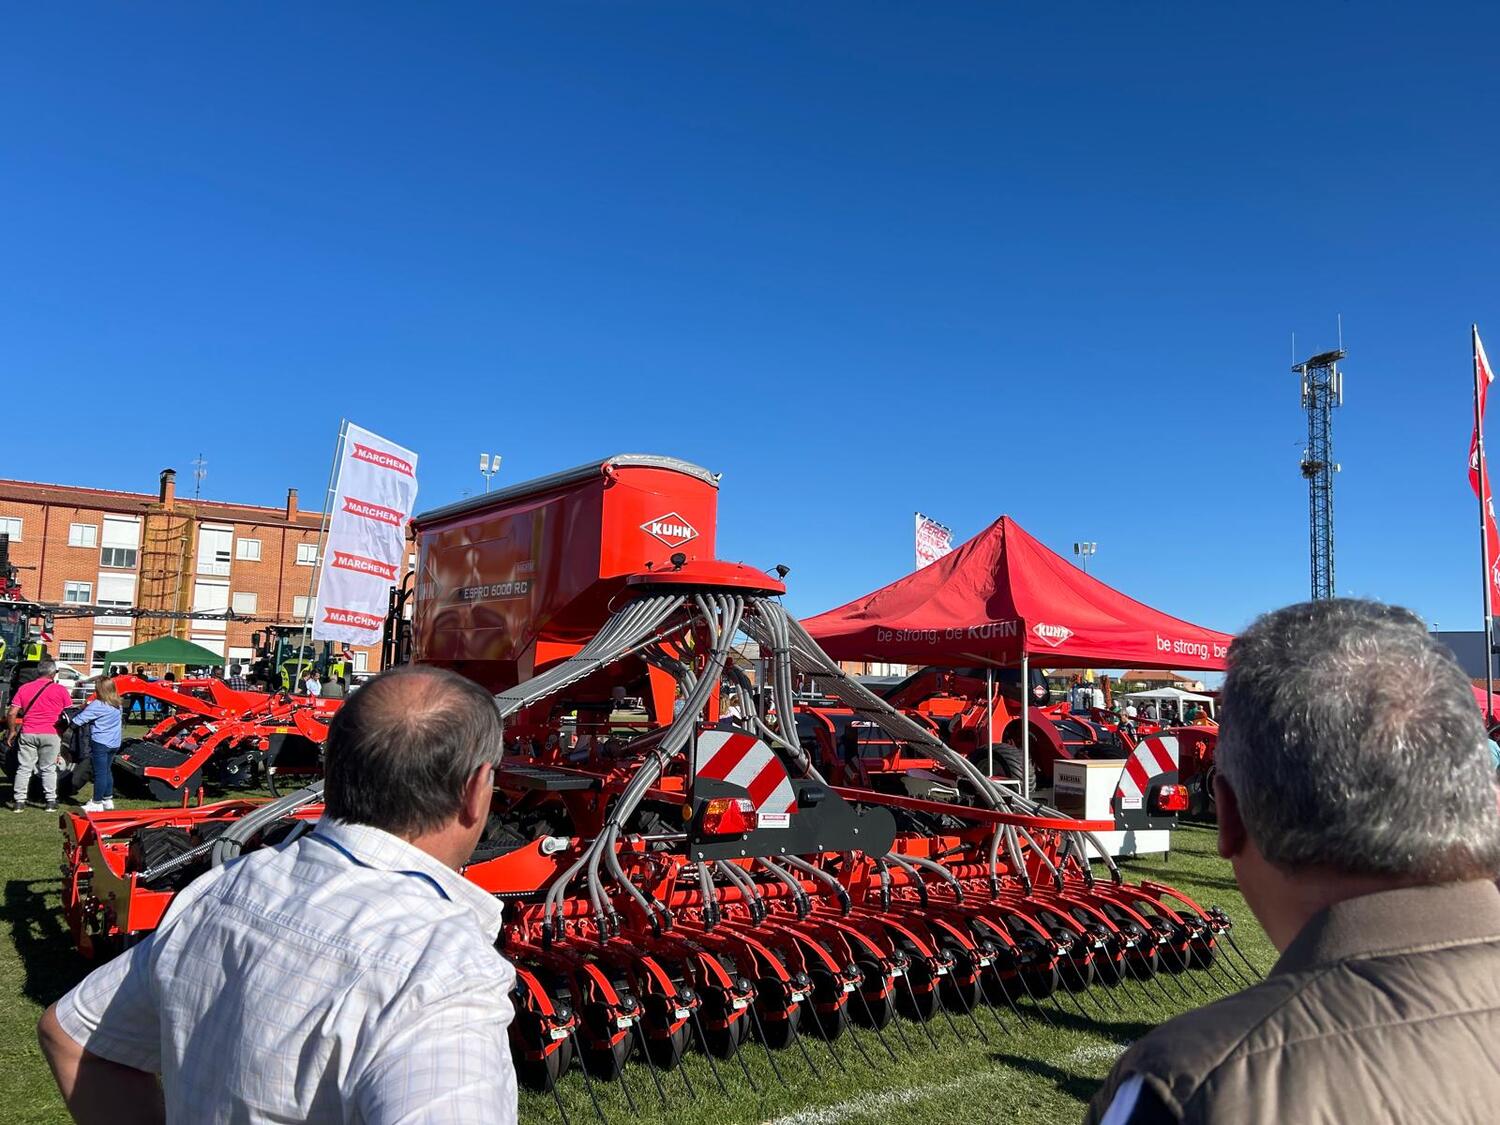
(284, 655)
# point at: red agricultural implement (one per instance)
(211, 732)
(953, 700)
(686, 880)
(1140, 776)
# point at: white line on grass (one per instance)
(869, 1105)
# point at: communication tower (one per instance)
(1322, 390)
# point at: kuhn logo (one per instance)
(671, 529)
(335, 616)
(1053, 635)
(377, 512)
(342, 560)
(383, 459)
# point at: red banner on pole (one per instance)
(1484, 375)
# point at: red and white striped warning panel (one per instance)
(746, 761)
(1156, 754)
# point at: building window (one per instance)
(307, 554)
(121, 540)
(244, 603)
(78, 593)
(72, 652)
(248, 550)
(361, 661)
(301, 607)
(83, 535)
(210, 597)
(103, 645)
(116, 590)
(11, 525)
(215, 548)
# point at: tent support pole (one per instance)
(989, 717)
(1025, 726)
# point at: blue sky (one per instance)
(977, 259)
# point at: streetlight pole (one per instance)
(1083, 551)
(489, 465)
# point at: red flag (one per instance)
(1484, 375)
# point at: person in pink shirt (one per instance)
(34, 712)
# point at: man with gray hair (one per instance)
(348, 976)
(1358, 809)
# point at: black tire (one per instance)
(1008, 761)
(151, 847)
(776, 1031)
(665, 1051)
(826, 990)
(956, 996)
(71, 782)
(1204, 806)
(914, 1002)
(1107, 970)
(866, 1007)
(1076, 974)
(541, 1074)
(1201, 954)
(604, 1060)
(207, 830)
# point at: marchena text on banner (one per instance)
(366, 546)
(343, 560)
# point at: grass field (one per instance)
(1032, 1072)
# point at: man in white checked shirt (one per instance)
(350, 976)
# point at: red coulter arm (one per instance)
(170, 694)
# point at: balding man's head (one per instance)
(402, 749)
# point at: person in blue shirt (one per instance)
(104, 739)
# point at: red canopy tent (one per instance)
(1002, 597)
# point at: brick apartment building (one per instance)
(101, 547)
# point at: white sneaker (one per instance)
(109, 804)
(93, 806)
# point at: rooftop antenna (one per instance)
(200, 470)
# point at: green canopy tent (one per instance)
(164, 650)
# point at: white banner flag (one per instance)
(366, 545)
(933, 540)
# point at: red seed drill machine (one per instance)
(679, 874)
